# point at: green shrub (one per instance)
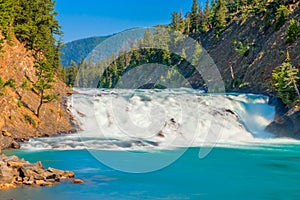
(19, 104)
(24, 85)
(243, 50)
(2, 83)
(10, 83)
(30, 120)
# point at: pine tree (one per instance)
(41, 87)
(206, 18)
(281, 13)
(293, 31)
(36, 26)
(148, 40)
(175, 21)
(194, 17)
(196, 55)
(7, 14)
(220, 15)
(285, 82)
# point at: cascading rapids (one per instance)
(161, 119)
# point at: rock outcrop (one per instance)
(15, 171)
(19, 102)
(286, 126)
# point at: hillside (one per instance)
(18, 104)
(246, 50)
(79, 49)
(267, 50)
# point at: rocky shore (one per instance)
(15, 171)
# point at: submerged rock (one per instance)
(15, 171)
(78, 181)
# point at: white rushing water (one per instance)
(162, 119)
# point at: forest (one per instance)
(214, 17)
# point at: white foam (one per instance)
(163, 119)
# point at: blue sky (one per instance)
(86, 18)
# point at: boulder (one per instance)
(15, 145)
(68, 174)
(48, 184)
(10, 158)
(5, 142)
(56, 171)
(6, 134)
(6, 174)
(28, 182)
(286, 126)
(16, 164)
(28, 172)
(39, 182)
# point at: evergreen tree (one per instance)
(196, 55)
(183, 54)
(281, 13)
(7, 14)
(285, 82)
(148, 40)
(175, 21)
(194, 17)
(206, 18)
(43, 84)
(36, 26)
(293, 31)
(220, 15)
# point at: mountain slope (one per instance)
(18, 104)
(267, 49)
(79, 49)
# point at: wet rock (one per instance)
(7, 186)
(68, 174)
(48, 184)
(28, 182)
(161, 134)
(78, 181)
(286, 126)
(15, 145)
(40, 182)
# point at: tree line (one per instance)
(155, 47)
(217, 14)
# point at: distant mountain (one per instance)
(79, 49)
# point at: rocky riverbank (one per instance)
(15, 171)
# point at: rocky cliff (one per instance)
(252, 69)
(18, 102)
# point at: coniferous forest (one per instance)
(213, 18)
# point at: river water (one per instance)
(167, 144)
